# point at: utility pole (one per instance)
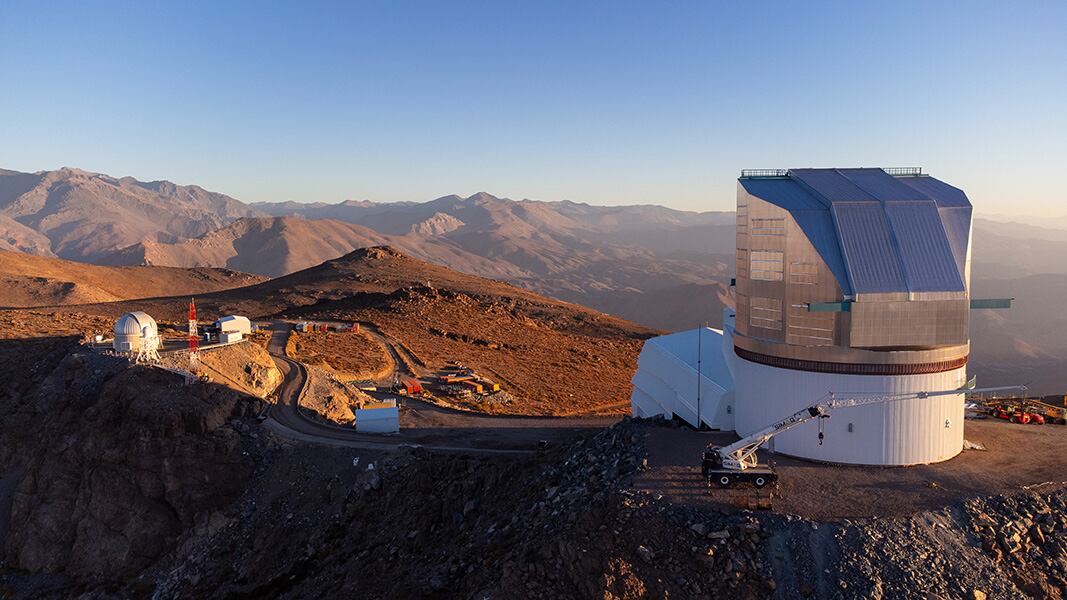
(700, 332)
(194, 339)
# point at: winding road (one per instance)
(422, 424)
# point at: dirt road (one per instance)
(421, 424)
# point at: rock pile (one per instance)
(995, 547)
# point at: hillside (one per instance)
(86, 215)
(559, 358)
(276, 246)
(27, 280)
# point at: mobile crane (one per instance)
(737, 463)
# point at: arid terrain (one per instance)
(439, 315)
(120, 481)
(350, 355)
(655, 266)
(27, 280)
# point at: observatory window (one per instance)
(768, 227)
(765, 313)
(803, 273)
(766, 265)
(742, 218)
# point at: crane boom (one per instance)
(741, 455)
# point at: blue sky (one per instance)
(599, 102)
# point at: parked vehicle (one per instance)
(1016, 415)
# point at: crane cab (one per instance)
(716, 473)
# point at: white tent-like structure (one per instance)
(667, 382)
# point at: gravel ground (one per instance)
(1016, 456)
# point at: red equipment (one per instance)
(1017, 415)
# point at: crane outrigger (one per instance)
(738, 463)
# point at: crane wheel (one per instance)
(759, 482)
(725, 481)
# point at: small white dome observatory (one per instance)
(132, 330)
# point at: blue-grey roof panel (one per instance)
(868, 250)
(881, 185)
(784, 193)
(830, 184)
(877, 233)
(941, 192)
(923, 248)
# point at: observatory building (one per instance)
(851, 281)
(131, 331)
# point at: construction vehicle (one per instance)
(738, 463)
(1050, 412)
(1017, 413)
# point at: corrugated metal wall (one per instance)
(904, 432)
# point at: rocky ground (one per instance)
(121, 482)
(330, 399)
(112, 462)
(350, 355)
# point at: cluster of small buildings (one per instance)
(311, 326)
(137, 332)
(464, 382)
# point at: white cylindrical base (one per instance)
(902, 432)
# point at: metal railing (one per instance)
(898, 171)
(764, 172)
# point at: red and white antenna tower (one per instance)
(194, 339)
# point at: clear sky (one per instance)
(599, 102)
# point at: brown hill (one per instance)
(27, 280)
(558, 358)
(622, 259)
(87, 215)
(281, 245)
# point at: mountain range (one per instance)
(657, 266)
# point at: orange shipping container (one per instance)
(477, 387)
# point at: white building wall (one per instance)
(378, 420)
(234, 323)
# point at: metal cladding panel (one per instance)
(924, 250)
(867, 248)
(783, 192)
(903, 432)
(931, 323)
(957, 224)
(944, 194)
(832, 185)
(882, 185)
(818, 226)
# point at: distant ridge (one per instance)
(29, 281)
